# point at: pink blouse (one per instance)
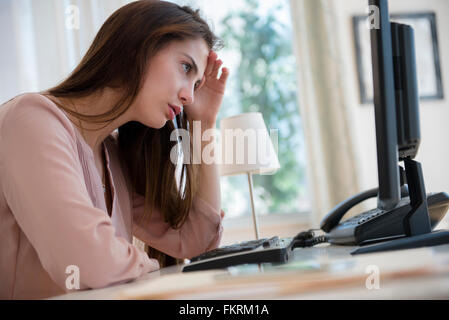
(53, 214)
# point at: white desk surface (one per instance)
(407, 274)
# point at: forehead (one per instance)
(195, 48)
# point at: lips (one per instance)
(176, 109)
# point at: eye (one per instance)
(187, 67)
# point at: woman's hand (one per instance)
(209, 95)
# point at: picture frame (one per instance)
(428, 67)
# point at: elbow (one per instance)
(103, 279)
(202, 244)
(91, 278)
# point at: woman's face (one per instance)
(174, 74)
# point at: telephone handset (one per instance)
(376, 224)
(336, 214)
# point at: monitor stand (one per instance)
(418, 232)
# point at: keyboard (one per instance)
(264, 250)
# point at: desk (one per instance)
(322, 272)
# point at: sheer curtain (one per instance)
(42, 41)
(324, 109)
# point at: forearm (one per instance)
(204, 155)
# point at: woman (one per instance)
(74, 190)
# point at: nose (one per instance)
(186, 94)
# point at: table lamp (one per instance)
(246, 148)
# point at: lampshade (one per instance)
(246, 146)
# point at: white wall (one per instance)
(434, 150)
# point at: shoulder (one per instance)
(31, 105)
(33, 111)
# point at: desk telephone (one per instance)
(377, 225)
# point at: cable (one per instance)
(307, 239)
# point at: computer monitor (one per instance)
(389, 193)
(396, 106)
(396, 101)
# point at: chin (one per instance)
(154, 125)
(157, 127)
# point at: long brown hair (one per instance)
(118, 58)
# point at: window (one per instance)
(259, 53)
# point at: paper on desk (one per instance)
(268, 282)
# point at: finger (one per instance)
(217, 66)
(224, 75)
(210, 62)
